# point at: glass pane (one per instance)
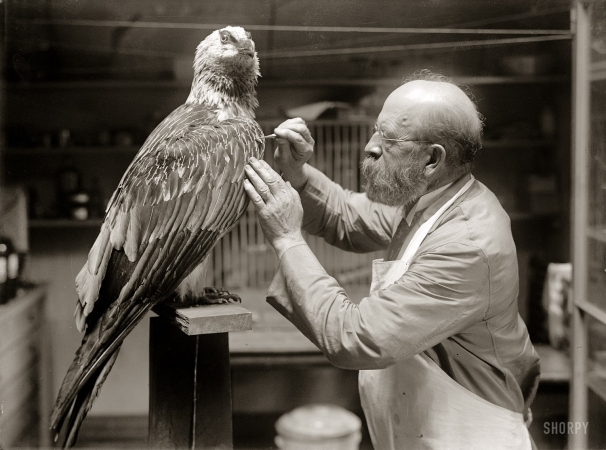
(596, 274)
(598, 32)
(596, 251)
(597, 165)
(596, 381)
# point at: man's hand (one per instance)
(295, 147)
(278, 206)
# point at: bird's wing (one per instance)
(180, 194)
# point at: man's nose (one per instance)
(373, 148)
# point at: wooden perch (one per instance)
(190, 380)
(207, 319)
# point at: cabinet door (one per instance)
(588, 389)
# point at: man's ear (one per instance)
(437, 158)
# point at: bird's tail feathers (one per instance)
(93, 361)
(84, 400)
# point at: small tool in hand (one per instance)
(270, 136)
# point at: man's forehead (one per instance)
(402, 103)
(418, 92)
(408, 100)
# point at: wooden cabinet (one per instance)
(24, 372)
(588, 389)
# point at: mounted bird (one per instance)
(181, 193)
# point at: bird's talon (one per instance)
(210, 296)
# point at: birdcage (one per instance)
(244, 259)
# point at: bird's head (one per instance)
(230, 48)
(226, 62)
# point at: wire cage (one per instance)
(243, 258)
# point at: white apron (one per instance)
(414, 404)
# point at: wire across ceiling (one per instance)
(285, 28)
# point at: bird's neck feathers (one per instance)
(225, 86)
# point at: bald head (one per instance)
(439, 112)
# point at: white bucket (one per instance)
(313, 427)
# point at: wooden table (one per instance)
(25, 372)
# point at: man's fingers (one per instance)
(290, 122)
(291, 140)
(253, 194)
(295, 120)
(258, 184)
(297, 134)
(267, 176)
(291, 189)
(299, 128)
(278, 185)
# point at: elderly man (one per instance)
(445, 360)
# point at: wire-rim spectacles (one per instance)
(378, 131)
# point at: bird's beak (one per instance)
(247, 47)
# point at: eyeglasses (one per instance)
(383, 138)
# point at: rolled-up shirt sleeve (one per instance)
(346, 219)
(443, 292)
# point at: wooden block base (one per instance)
(207, 319)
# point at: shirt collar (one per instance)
(425, 201)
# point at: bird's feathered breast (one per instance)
(180, 194)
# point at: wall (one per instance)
(57, 254)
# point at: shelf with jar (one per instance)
(132, 149)
(278, 83)
(66, 191)
(64, 223)
(63, 151)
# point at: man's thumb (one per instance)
(283, 152)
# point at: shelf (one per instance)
(594, 311)
(598, 76)
(517, 143)
(597, 71)
(132, 149)
(64, 223)
(555, 364)
(268, 83)
(103, 84)
(597, 234)
(597, 384)
(519, 216)
(83, 150)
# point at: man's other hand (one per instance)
(278, 206)
(295, 147)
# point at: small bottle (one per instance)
(548, 122)
(4, 252)
(9, 270)
(68, 183)
(79, 205)
(96, 207)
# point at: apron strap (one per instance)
(443, 360)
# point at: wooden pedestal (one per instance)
(189, 381)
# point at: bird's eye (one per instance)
(248, 35)
(224, 37)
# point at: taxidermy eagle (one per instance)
(182, 192)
